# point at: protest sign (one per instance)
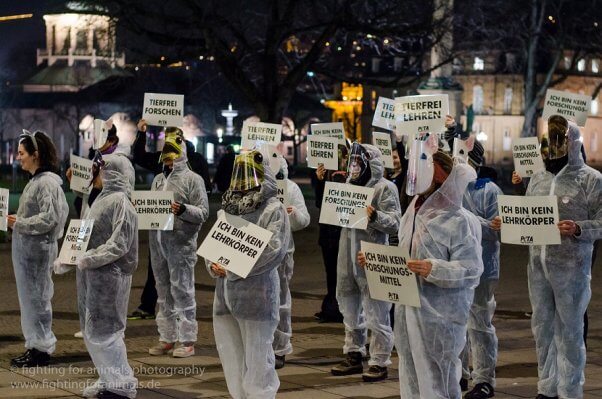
(282, 193)
(345, 205)
(334, 129)
(573, 107)
(153, 209)
(527, 156)
(3, 209)
(323, 150)
(76, 240)
(81, 174)
(252, 132)
(529, 220)
(101, 132)
(234, 243)
(382, 141)
(163, 109)
(388, 276)
(384, 115)
(419, 114)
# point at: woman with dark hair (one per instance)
(37, 226)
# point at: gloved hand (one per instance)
(60, 268)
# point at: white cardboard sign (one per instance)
(389, 278)
(384, 114)
(163, 109)
(333, 129)
(529, 220)
(345, 205)
(252, 132)
(81, 174)
(153, 209)
(282, 193)
(382, 141)
(76, 240)
(234, 243)
(419, 114)
(323, 150)
(574, 107)
(4, 209)
(527, 156)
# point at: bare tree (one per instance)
(266, 48)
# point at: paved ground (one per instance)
(317, 346)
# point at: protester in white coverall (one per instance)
(298, 217)
(360, 312)
(173, 253)
(444, 243)
(481, 199)
(245, 311)
(38, 224)
(104, 277)
(559, 275)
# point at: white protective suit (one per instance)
(298, 219)
(104, 277)
(246, 311)
(41, 217)
(429, 339)
(173, 254)
(481, 199)
(559, 275)
(358, 309)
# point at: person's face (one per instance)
(168, 162)
(355, 168)
(29, 162)
(439, 176)
(396, 161)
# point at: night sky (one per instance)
(20, 38)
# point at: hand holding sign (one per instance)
(11, 220)
(420, 267)
(218, 270)
(569, 228)
(496, 223)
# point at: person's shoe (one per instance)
(540, 396)
(184, 351)
(375, 373)
(31, 358)
(78, 334)
(463, 384)
(140, 315)
(162, 348)
(482, 390)
(279, 362)
(109, 395)
(351, 365)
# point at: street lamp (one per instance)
(220, 133)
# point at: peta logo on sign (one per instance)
(526, 239)
(393, 296)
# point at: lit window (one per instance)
(508, 100)
(594, 109)
(479, 64)
(477, 99)
(595, 66)
(567, 62)
(581, 65)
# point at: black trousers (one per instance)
(148, 299)
(330, 256)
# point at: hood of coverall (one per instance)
(117, 175)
